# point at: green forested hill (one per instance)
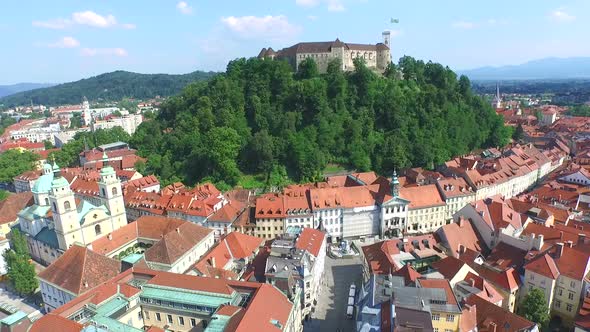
(260, 117)
(107, 87)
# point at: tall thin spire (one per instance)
(497, 91)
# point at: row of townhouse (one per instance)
(366, 205)
(519, 245)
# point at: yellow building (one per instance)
(270, 216)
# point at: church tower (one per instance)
(497, 103)
(111, 194)
(65, 214)
(394, 185)
(86, 116)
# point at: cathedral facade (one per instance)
(58, 218)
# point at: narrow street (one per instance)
(330, 312)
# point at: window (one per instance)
(104, 193)
(46, 201)
(181, 320)
(436, 317)
(114, 191)
(170, 320)
(560, 292)
(450, 318)
(557, 304)
(436, 329)
(139, 315)
(570, 296)
(448, 330)
(193, 322)
(569, 307)
(572, 284)
(97, 230)
(67, 205)
(158, 318)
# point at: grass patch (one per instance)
(334, 168)
(249, 181)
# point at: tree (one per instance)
(535, 308)
(308, 68)
(21, 272)
(47, 144)
(518, 133)
(3, 194)
(14, 162)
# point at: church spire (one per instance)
(394, 184)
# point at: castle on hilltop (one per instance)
(376, 56)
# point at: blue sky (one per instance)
(65, 40)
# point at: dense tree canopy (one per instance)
(107, 87)
(259, 115)
(20, 270)
(14, 162)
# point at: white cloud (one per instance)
(93, 19)
(560, 15)
(58, 23)
(307, 3)
(103, 52)
(332, 5)
(264, 27)
(87, 18)
(335, 6)
(463, 25)
(184, 8)
(65, 42)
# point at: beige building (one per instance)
(376, 56)
(561, 275)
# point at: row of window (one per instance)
(446, 330)
(449, 318)
(170, 319)
(568, 307)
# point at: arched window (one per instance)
(97, 229)
(103, 192)
(46, 201)
(67, 205)
(114, 191)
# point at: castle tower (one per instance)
(86, 116)
(65, 214)
(394, 185)
(387, 38)
(111, 193)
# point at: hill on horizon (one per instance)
(111, 86)
(547, 68)
(9, 89)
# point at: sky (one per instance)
(64, 40)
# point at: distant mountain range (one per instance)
(6, 90)
(112, 86)
(548, 68)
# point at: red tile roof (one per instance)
(79, 270)
(448, 266)
(543, 265)
(378, 256)
(583, 318)
(195, 283)
(440, 284)
(421, 197)
(408, 273)
(488, 313)
(311, 240)
(461, 233)
(13, 204)
(52, 322)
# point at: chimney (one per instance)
(492, 327)
(110, 236)
(472, 282)
(461, 222)
(461, 249)
(581, 238)
(213, 261)
(85, 284)
(559, 250)
(570, 244)
(178, 230)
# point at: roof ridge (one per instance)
(85, 253)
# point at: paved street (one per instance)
(330, 312)
(12, 299)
